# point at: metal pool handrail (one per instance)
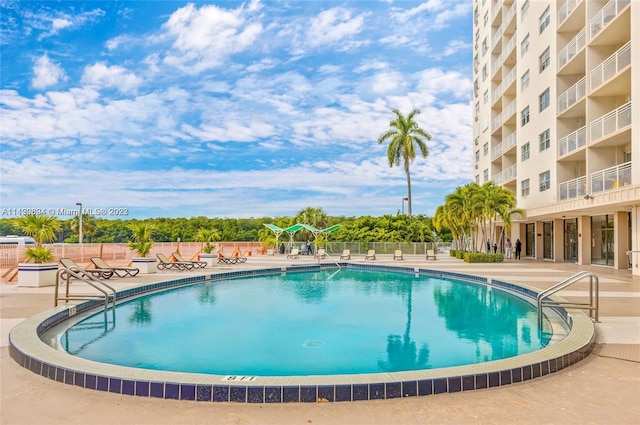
(91, 281)
(592, 305)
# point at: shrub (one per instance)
(460, 254)
(481, 257)
(452, 252)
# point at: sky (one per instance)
(141, 109)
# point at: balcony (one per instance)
(611, 66)
(566, 9)
(511, 76)
(609, 123)
(571, 96)
(571, 49)
(576, 188)
(505, 176)
(611, 178)
(606, 15)
(572, 142)
(506, 144)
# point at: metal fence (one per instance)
(11, 255)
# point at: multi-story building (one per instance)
(554, 123)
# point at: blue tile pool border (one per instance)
(287, 390)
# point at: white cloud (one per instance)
(50, 24)
(101, 75)
(205, 38)
(332, 26)
(46, 73)
(454, 46)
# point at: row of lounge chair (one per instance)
(103, 270)
(346, 254)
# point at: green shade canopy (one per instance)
(291, 231)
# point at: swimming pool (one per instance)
(28, 349)
(322, 322)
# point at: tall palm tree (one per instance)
(315, 217)
(404, 136)
(89, 225)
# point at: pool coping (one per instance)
(28, 350)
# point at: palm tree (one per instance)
(43, 229)
(89, 224)
(142, 237)
(207, 235)
(404, 136)
(315, 217)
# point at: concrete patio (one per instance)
(602, 389)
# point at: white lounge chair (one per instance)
(431, 254)
(371, 255)
(320, 254)
(398, 255)
(346, 254)
(294, 253)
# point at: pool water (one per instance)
(325, 322)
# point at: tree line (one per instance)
(393, 228)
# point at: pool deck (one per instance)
(602, 389)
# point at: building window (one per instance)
(486, 175)
(545, 181)
(477, 156)
(485, 97)
(545, 59)
(525, 151)
(544, 100)
(524, 46)
(476, 64)
(485, 46)
(485, 19)
(477, 110)
(477, 179)
(484, 72)
(524, 116)
(545, 140)
(524, 187)
(525, 80)
(485, 149)
(476, 88)
(525, 10)
(545, 19)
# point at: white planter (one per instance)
(146, 265)
(211, 259)
(36, 275)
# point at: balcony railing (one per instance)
(611, 122)
(571, 49)
(571, 96)
(507, 49)
(509, 173)
(566, 9)
(606, 14)
(509, 110)
(506, 175)
(506, 144)
(611, 66)
(575, 188)
(611, 178)
(510, 13)
(497, 8)
(502, 87)
(571, 142)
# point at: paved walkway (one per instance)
(602, 389)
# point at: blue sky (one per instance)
(230, 109)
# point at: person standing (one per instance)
(518, 249)
(508, 247)
(495, 248)
(488, 247)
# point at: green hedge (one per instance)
(452, 252)
(460, 254)
(480, 257)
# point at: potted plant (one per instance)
(207, 236)
(40, 268)
(141, 244)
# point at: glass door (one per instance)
(547, 240)
(530, 240)
(571, 240)
(602, 240)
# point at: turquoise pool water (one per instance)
(314, 323)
